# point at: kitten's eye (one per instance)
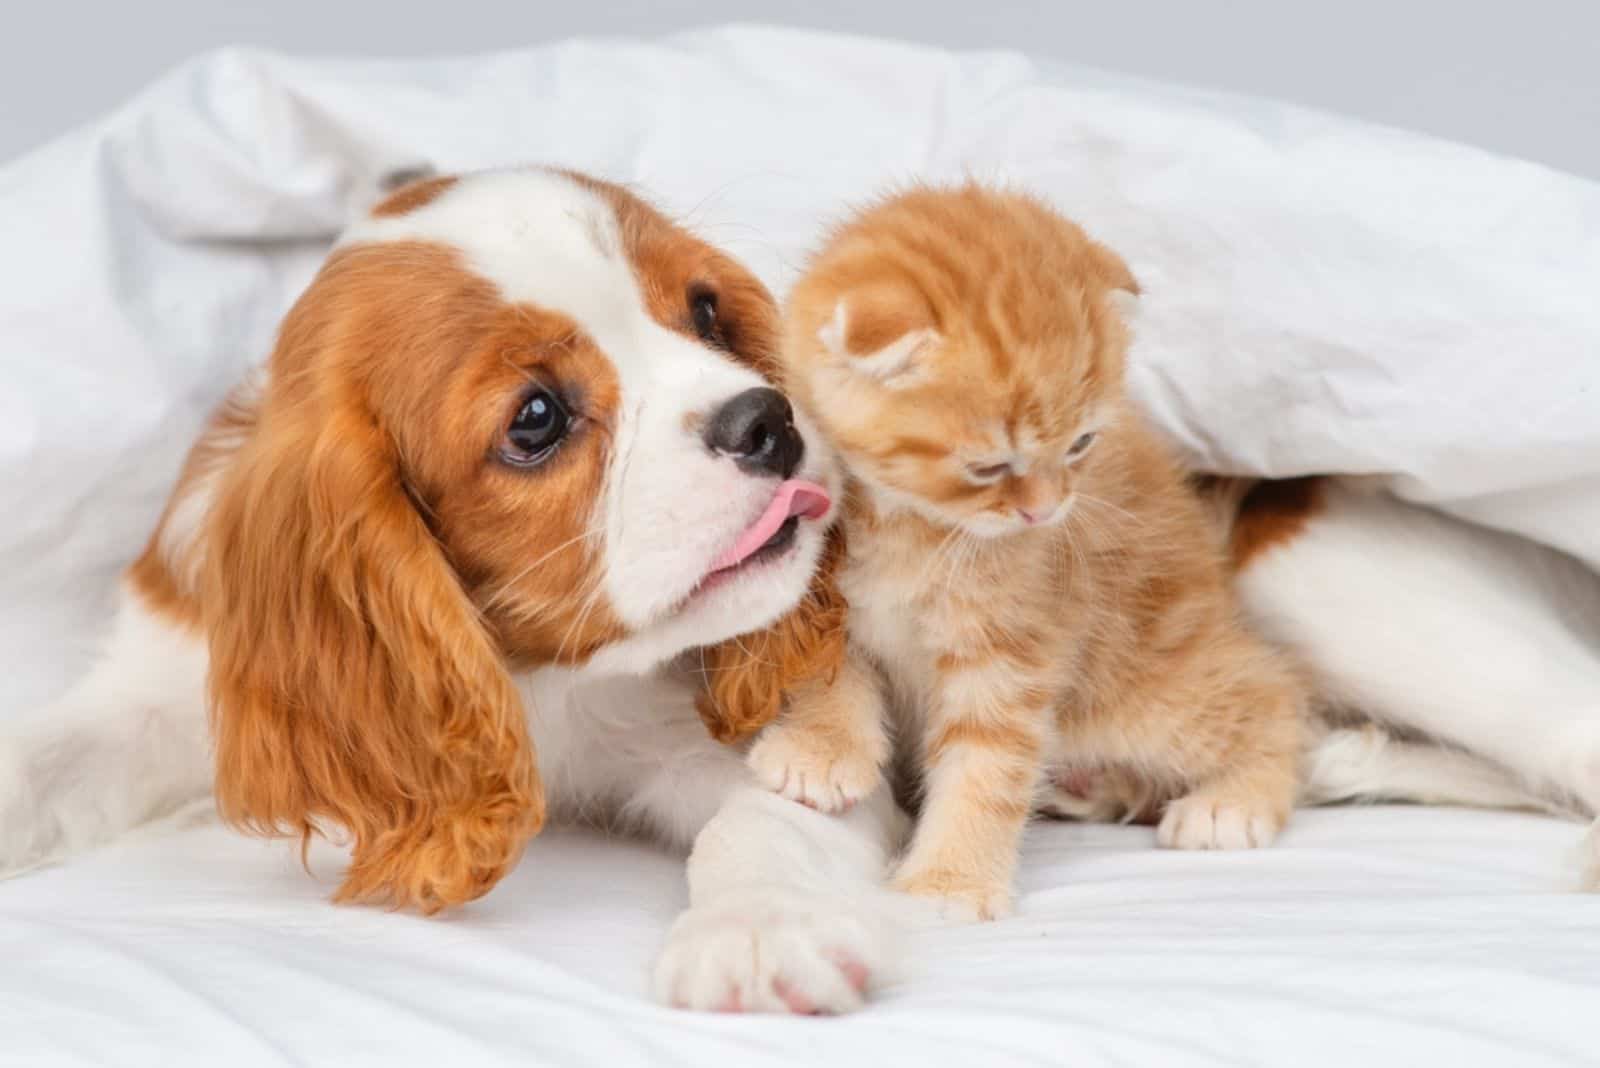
(536, 430)
(987, 472)
(1080, 446)
(703, 314)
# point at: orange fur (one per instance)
(353, 681)
(1036, 610)
(1273, 513)
(747, 678)
(365, 587)
(166, 573)
(410, 196)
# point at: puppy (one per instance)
(514, 463)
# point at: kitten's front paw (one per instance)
(1203, 820)
(957, 897)
(815, 770)
(769, 950)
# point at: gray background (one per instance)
(1522, 78)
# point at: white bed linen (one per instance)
(1322, 296)
(1384, 936)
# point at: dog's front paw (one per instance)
(827, 774)
(769, 950)
(1203, 820)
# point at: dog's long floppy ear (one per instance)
(746, 677)
(352, 682)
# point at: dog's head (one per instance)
(518, 419)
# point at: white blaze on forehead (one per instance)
(541, 238)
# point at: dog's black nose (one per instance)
(756, 428)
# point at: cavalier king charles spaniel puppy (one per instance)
(514, 481)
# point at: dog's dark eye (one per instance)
(1080, 446)
(537, 429)
(703, 313)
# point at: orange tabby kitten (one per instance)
(1042, 593)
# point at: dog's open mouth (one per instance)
(774, 531)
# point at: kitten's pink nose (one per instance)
(1033, 517)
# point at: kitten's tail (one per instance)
(1368, 763)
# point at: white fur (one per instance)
(125, 745)
(784, 902)
(671, 506)
(1483, 641)
(779, 892)
(1367, 762)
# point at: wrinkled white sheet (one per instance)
(1322, 296)
(1387, 936)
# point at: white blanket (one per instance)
(1321, 296)
(1367, 937)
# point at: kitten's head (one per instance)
(964, 348)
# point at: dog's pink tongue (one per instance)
(794, 497)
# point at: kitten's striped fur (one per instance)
(1048, 612)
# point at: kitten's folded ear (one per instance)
(746, 677)
(881, 329)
